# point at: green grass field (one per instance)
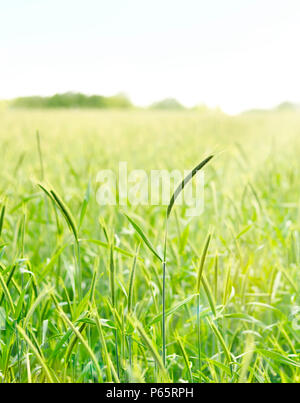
(81, 294)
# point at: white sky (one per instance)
(237, 54)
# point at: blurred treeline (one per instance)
(119, 101)
(79, 100)
(73, 100)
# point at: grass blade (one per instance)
(66, 213)
(112, 276)
(40, 359)
(110, 369)
(221, 340)
(202, 261)
(38, 140)
(7, 294)
(85, 204)
(185, 357)
(151, 348)
(83, 341)
(53, 195)
(143, 236)
(131, 280)
(171, 310)
(185, 182)
(164, 262)
(2, 213)
(209, 295)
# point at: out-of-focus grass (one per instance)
(249, 297)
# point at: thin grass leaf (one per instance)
(53, 195)
(7, 294)
(221, 340)
(9, 278)
(83, 341)
(2, 213)
(171, 310)
(209, 294)
(112, 276)
(38, 140)
(107, 246)
(135, 323)
(244, 317)
(74, 340)
(185, 357)
(216, 270)
(185, 182)
(202, 261)
(164, 263)
(36, 303)
(94, 280)
(19, 163)
(40, 359)
(277, 357)
(247, 357)
(131, 280)
(29, 378)
(66, 213)
(104, 228)
(110, 369)
(84, 204)
(45, 190)
(143, 236)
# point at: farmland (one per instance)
(80, 288)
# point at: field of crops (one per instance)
(81, 285)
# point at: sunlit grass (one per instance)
(81, 285)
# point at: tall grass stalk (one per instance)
(130, 299)
(164, 263)
(38, 140)
(112, 276)
(199, 279)
(66, 213)
(2, 213)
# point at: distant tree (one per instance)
(168, 103)
(118, 101)
(287, 106)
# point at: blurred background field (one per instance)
(249, 314)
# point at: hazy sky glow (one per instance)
(237, 54)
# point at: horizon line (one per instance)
(294, 104)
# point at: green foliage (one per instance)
(167, 104)
(72, 100)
